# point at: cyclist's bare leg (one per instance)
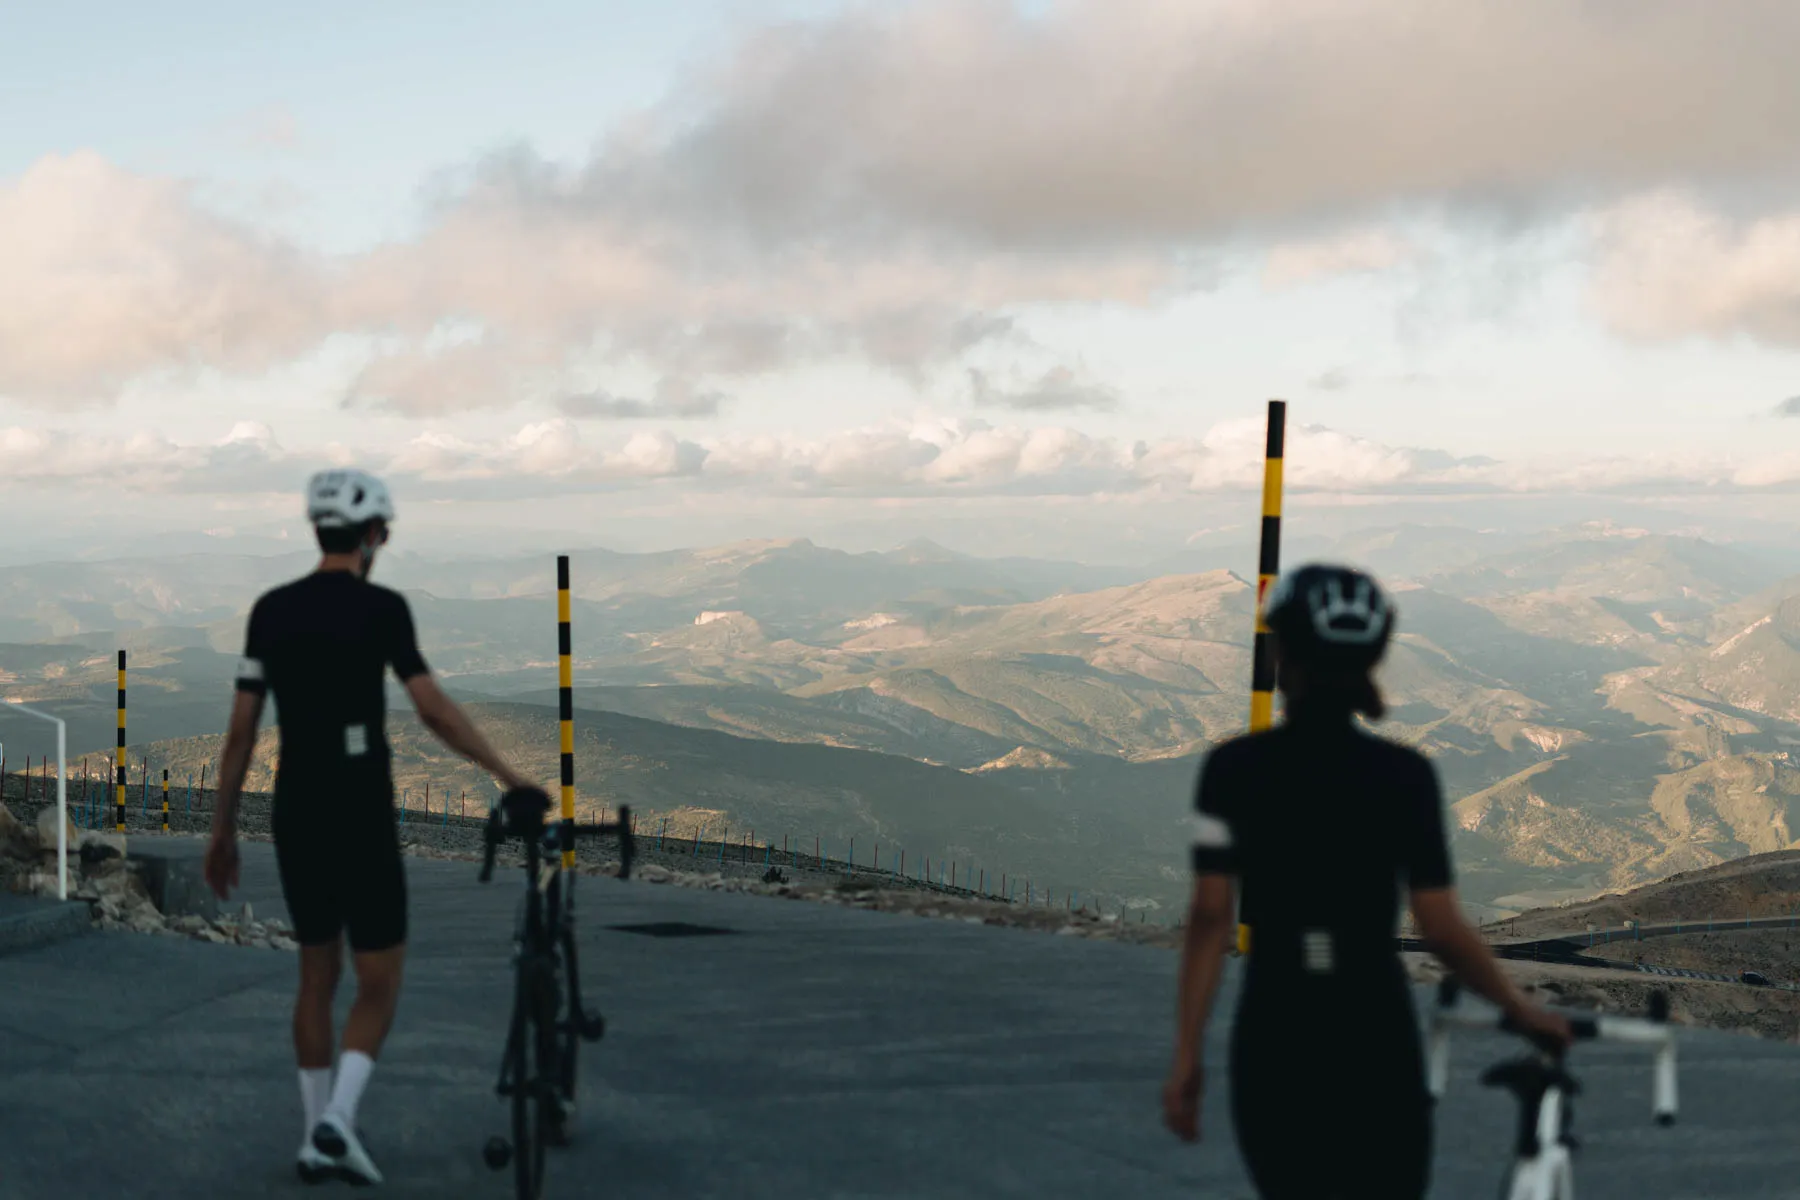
(321, 966)
(377, 995)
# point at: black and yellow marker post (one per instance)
(119, 757)
(165, 799)
(565, 705)
(1268, 566)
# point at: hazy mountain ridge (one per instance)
(700, 779)
(1602, 706)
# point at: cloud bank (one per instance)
(932, 456)
(893, 184)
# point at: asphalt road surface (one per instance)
(812, 1052)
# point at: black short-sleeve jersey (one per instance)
(1324, 824)
(321, 645)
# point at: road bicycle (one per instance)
(549, 1021)
(1543, 1165)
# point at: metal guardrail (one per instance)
(1564, 952)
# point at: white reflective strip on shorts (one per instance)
(1317, 951)
(1210, 832)
(356, 740)
(250, 670)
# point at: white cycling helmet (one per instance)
(343, 499)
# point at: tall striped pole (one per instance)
(119, 757)
(565, 703)
(1268, 566)
(165, 799)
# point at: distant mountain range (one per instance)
(1604, 706)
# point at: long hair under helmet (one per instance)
(1335, 623)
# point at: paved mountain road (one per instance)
(814, 1052)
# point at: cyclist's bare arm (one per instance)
(1460, 948)
(1211, 922)
(445, 718)
(234, 758)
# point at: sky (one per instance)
(1015, 277)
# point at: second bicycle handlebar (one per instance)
(506, 821)
(1654, 1031)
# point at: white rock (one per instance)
(15, 840)
(46, 831)
(655, 874)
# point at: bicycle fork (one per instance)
(1544, 1169)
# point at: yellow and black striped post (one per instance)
(1268, 566)
(165, 799)
(119, 757)
(565, 705)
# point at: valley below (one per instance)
(1604, 707)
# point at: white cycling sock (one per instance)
(315, 1093)
(353, 1070)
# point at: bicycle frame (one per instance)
(539, 1065)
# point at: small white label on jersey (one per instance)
(1317, 949)
(1210, 831)
(356, 740)
(250, 669)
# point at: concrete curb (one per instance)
(40, 924)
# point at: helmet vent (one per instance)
(1357, 619)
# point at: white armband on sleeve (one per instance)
(1210, 832)
(249, 670)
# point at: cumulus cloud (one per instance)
(422, 381)
(1670, 267)
(945, 456)
(106, 275)
(246, 459)
(543, 457)
(893, 184)
(1059, 388)
(674, 399)
(1127, 120)
(1358, 251)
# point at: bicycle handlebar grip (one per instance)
(1583, 1028)
(627, 843)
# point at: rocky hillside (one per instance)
(1078, 835)
(1760, 885)
(1604, 707)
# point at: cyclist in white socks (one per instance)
(322, 645)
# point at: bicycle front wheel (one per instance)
(569, 1027)
(524, 1052)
